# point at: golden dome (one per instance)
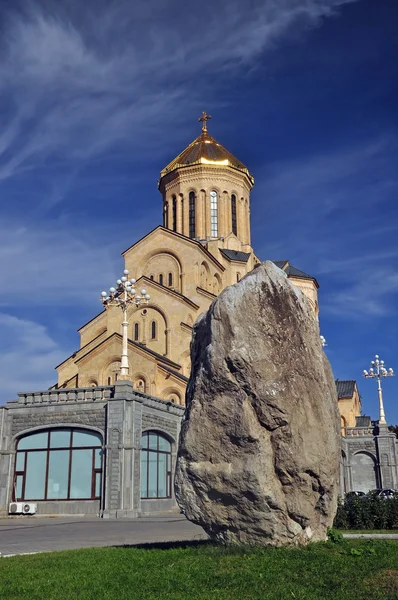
(206, 150)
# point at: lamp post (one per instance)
(123, 295)
(377, 371)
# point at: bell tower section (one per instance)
(206, 192)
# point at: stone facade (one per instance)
(369, 458)
(202, 247)
(121, 415)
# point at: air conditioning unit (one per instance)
(23, 508)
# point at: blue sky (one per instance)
(96, 97)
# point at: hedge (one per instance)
(367, 512)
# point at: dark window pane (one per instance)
(20, 462)
(192, 214)
(136, 332)
(170, 279)
(86, 438)
(161, 279)
(233, 214)
(164, 444)
(18, 487)
(97, 458)
(144, 474)
(58, 473)
(33, 441)
(81, 474)
(153, 441)
(162, 480)
(153, 330)
(60, 438)
(174, 213)
(152, 480)
(35, 475)
(97, 485)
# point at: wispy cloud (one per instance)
(77, 78)
(339, 220)
(30, 358)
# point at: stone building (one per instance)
(94, 444)
(203, 245)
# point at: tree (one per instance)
(394, 429)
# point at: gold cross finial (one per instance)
(203, 119)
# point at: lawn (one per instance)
(352, 570)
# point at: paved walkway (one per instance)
(36, 534)
(30, 534)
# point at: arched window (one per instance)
(170, 279)
(151, 277)
(238, 277)
(155, 466)
(214, 213)
(153, 330)
(166, 215)
(233, 215)
(192, 226)
(174, 213)
(136, 332)
(161, 279)
(109, 381)
(59, 464)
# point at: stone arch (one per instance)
(111, 370)
(154, 312)
(140, 382)
(364, 471)
(163, 261)
(173, 394)
(185, 362)
(217, 284)
(204, 275)
(92, 382)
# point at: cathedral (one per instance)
(203, 245)
(105, 444)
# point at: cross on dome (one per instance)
(203, 119)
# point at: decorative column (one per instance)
(199, 211)
(170, 214)
(180, 208)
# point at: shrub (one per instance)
(367, 512)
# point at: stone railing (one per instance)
(359, 431)
(67, 395)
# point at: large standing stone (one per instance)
(259, 449)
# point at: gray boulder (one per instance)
(258, 458)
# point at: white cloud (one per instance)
(27, 360)
(80, 77)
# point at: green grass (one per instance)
(357, 570)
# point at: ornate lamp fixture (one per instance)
(122, 295)
(377, 371)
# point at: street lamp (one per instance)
(377, 371)
(122, 295)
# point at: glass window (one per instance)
(136, 332)
(174, 213)
(34, 440)
(233, 214)
(155, 466)
(192, 225)
(60, 438)
(153, 330)
(61, 464)
(35, 478)
(170, 279)
(214, 213)
(58, 474)
(86, 438)
(161, 279)
(81, 474)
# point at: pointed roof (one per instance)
(207, 151)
